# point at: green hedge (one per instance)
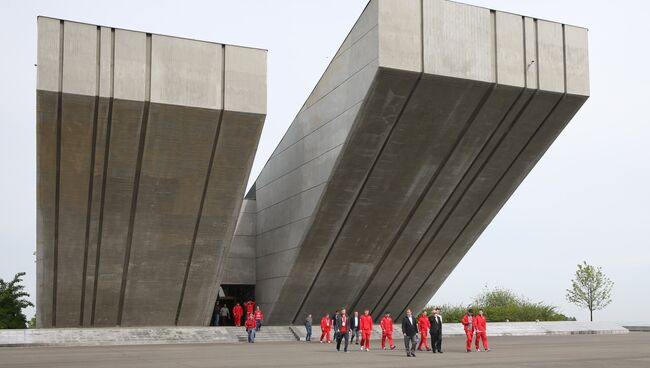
(501, 305)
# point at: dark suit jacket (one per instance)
(436, 327)
(354, 326)
(408, 328)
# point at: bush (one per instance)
(500, 305)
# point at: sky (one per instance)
(588, 199)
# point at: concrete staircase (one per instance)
(266, 334)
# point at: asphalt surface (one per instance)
(629, 350)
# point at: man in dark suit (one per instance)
(354, 327)
(436, 331)
(410, 331)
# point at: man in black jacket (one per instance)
(410, 331)
(436, 331)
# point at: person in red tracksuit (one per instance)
(365, 325)
(237, 312)
(423, 326)
(468, 325)
(387, 332)
(480, 326)
(259, 317)
(325, 327)
(250, 307)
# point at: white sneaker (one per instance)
(362, 348)
(321, 341)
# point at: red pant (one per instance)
(387, 335)
(237, 320)
(365, 339)
(423, 340)
(469, 334)
(325, 333)
(483, 336)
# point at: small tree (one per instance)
(12, 301)
(590, 289)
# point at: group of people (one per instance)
(252, 323)
(416, 332)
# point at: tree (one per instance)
(590, 289)
(12, 301)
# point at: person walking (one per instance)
(250, 307)
(259, 317)
(325, 327)
(480, 326)
(308, 322)
(335, 318)
(215, 314)
(342, 328)
(435, 321)
(225, 315)
(423, 327)
(365, 325)
(250, 328)
(387, 332)
(468, 326)
(237, 312)
(354, 327)
(410, 331)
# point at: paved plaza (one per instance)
(621, 351)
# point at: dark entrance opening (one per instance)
(228, 296)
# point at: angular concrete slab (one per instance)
(145, 144)
(447, 108)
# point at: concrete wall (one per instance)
(240, 264)
(460, 105)
(145, 144)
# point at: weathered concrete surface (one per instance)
(427, 119)
(624, 351)
(240, 264)
(145, 144)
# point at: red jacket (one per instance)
(259, 315)
(466, 323)
(250, 307)
(238, 310)
(250, 323)
(325, 323)
(365, 323)
(386, 325)
(423, 324)
(479, 323)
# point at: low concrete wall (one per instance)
(636, 328)
(213, 335)
(506, 329)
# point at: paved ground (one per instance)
(629, 350)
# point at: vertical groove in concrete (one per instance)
(91, 177)
(482, 203)
(104, 174)
(523, 32)
(136, 180)
(495, 57)
(205, 185)
(564, 56)
(58, 176)
(349, 210)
